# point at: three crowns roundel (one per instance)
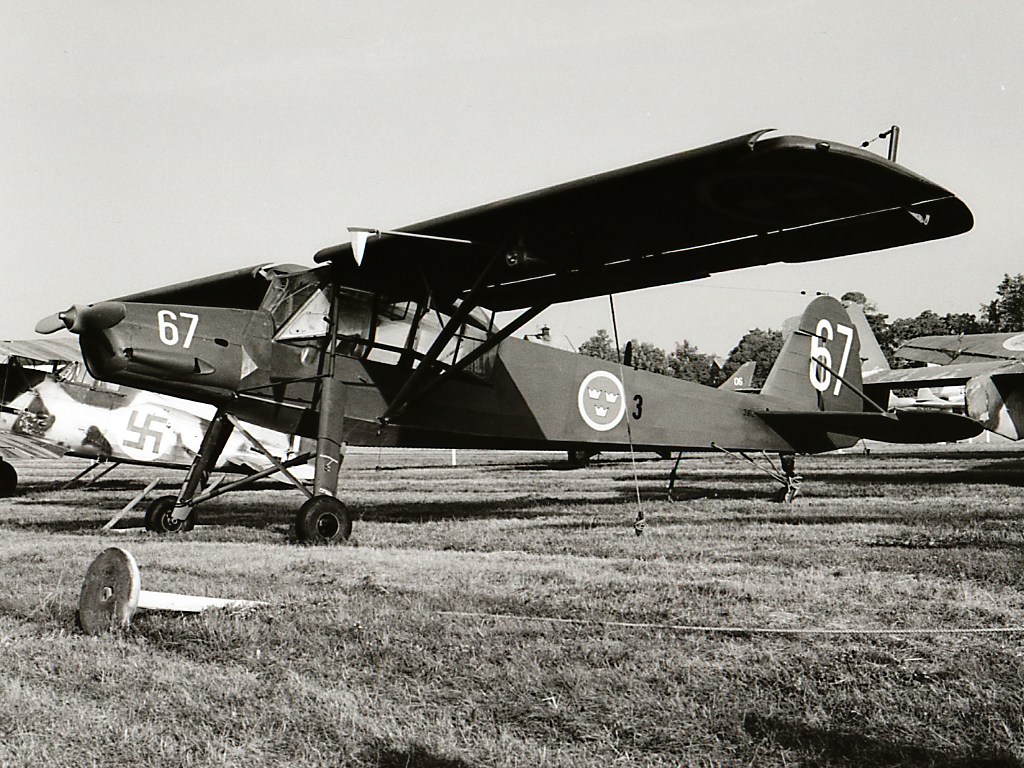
(602, 401)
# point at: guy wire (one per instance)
(641, 521)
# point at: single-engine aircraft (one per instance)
(394, 339)
(50, 406)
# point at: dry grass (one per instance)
(366, 655)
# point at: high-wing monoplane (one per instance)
(395, 340)
(51, 406)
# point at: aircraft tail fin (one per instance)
(816, 387)
(818, 368)
(870, 352)
(742, 379)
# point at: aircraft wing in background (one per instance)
(52, 407)
(964, 348)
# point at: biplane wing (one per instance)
(940, 375)
(963, 348)
(59, 349)
(987, 369)
(739, 203)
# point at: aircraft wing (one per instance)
(16, 446)
(57, 349)
(939, 375)
(968, 348)
(738, 203)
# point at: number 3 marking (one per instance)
(820, 371)
(639, 400)
(168, 329)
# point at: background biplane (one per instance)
(50, 406)
(395, 339)
(981, 374)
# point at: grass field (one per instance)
(503, 613)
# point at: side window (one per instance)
(391, 332)
(355, 312)
(311, 320)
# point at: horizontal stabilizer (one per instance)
(901, 426)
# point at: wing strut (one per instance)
(398, 406)
(467, 305)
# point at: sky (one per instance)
(142, 144)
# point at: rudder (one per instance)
(819, 367)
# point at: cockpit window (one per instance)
(286, 294)
(370, 326)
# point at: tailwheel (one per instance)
(159, 517)
(323, 520)
(8, 479)
(790, 478)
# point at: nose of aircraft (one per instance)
(92, 317)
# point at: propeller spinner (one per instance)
(92, 317)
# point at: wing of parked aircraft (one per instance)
(742, 202)
(963, 348)
(981, 375)
(52, 407)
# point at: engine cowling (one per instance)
(181, 349)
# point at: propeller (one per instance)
(92, 317)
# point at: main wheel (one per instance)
(8, 479)
(323, 520)
(159, 516)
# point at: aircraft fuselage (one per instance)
(522, 395)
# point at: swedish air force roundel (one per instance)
(602, 401)
(1014, 343)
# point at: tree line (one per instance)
(1005, 313)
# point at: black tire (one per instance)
(323, 520)
(158, 517)
(8, 479)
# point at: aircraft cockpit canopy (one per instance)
(371, 326)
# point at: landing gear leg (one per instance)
(323, 519)
(171, 514)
